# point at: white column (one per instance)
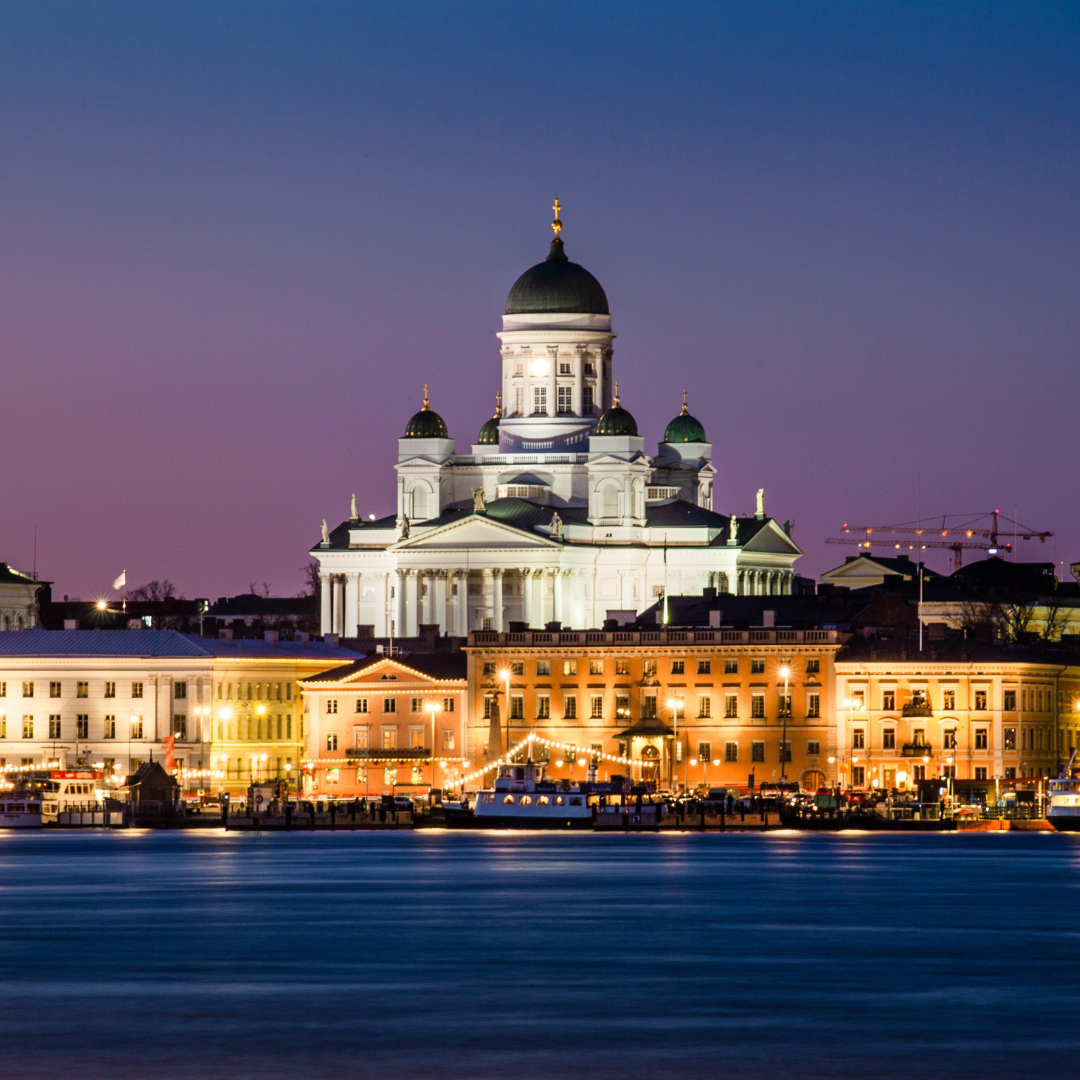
(497, 600)
(425, 584)
(411, 580)
(339, 605)
(557, 603)
(440, 601)
(462, 611)
(527, 597)
(326, 626)
(352, 604)
(398, 578)
(579, 377)
(382, 598)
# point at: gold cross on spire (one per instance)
(425, 396)
(498, 404)
(556, 225)
(616, 393)
(685, 410)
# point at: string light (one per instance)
(507, 758)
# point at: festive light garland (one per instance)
(507, 758)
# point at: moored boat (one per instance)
(1063, 808)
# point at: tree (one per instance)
(155, 591)
(312, 583)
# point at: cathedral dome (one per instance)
(685, 428)
(426, 424)
(557, 285)
(616, 421)
(489, 433)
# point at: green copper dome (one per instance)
(616, 421)
(426, 424)
(489, 433)
(557, 286)
(684, 428)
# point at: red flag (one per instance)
(168, 746)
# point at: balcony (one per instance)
(917, 708)
(400, 753)
(915, 749)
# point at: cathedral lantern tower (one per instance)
(556, 355)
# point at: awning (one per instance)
(647, 729)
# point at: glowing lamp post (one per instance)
(433, 708)
(785, 673)
(674, 704)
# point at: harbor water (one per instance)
(513, 956)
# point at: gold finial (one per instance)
(556, 225)
(616, 405)
(498, 404)
(425, 396)
(685, 410)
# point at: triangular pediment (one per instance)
(772, 538)
(385, 673)
(862, 566)
(474, 531)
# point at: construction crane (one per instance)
(973, 527)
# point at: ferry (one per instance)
(1063, 809)
(523, 798)
(37, 797)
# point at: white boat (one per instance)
(1063, 809)
(523, 798)
(37, 797)
(26, 809)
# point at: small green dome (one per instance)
(616, 421)
(684, 428)
(489, 433)
(426, 424)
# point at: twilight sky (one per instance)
(236, 239)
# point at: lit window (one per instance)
(569, 667)
(704, 706)
(137, 689)
(757, 706)
(731, 752)
(543, 707)
(331, 740)
(596, 707)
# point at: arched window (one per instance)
(609, 501)
(7, 622)
(639, 503)
(419, 502)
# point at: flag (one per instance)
(121, 581)
(168, 746)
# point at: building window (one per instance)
(596, 667)
(539, 401)
(980, 700)
(448, 739)
(648, 665)
(648, 707)
(1008, 701)
(136, 690)
(331, 740)
(757, 667)
(757, 751)
(416, 738)
(331, 706)
(489, 668)
(27, 727)
(704, 752)
(543, 706)
(389, 739)
(570, 706)
(888, 738)
(564, 367)
(980, 772)
(361, 704)
(389, 705)
(704, 708)
(1010, 738)
(180, 690)
(704, 667)
(54, 689)
(813, 667)
(858, 698)
(948, 699)
(110, 728)
(416, 704)
(180, 726)
(982, 738)
(543, 667)
(517, 707)
(28, 689)
(858, 739)
(82, 726)
(813, 706)
(448, 704)
(596, 707)
(389, 776)
(1010, 772)
(517, 667)
(3, 689)
(622, 707)
(948, 739)
(54, 727)
(888, 700)
(110, 689)
(757, 706)
(858, 774)
(622, 667)
(137, 728)
(678, 667)
(565, 400)
(948, 772)
(731, 706)
(588, 404)
(731, 752)
(783, 702)
(487, 706)
(813, 747)
(784, 752)
(569, 667)
(731, 667)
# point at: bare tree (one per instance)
(155, 590)
(262, 590)
(311, 579)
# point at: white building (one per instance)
(557, 514)
(18, 599)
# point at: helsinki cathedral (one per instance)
(557, 514)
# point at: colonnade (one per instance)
(765, 582)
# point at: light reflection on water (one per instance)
(520, 956)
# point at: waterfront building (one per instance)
(113, 697)
(959, 708)
(686, 706)
(19, 598)
(557, 514)
(386, 724)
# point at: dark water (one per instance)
(457, 955)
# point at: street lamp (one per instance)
(433, 708)
(785, 672)
(505, 676)
(674, 704)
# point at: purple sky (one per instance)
(235, 241)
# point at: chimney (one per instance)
(708, 594)
(303, 637)
(768, 619)
(71, 624)
(271, 636)
(225, 635)
(331, 639)
(714, 619)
